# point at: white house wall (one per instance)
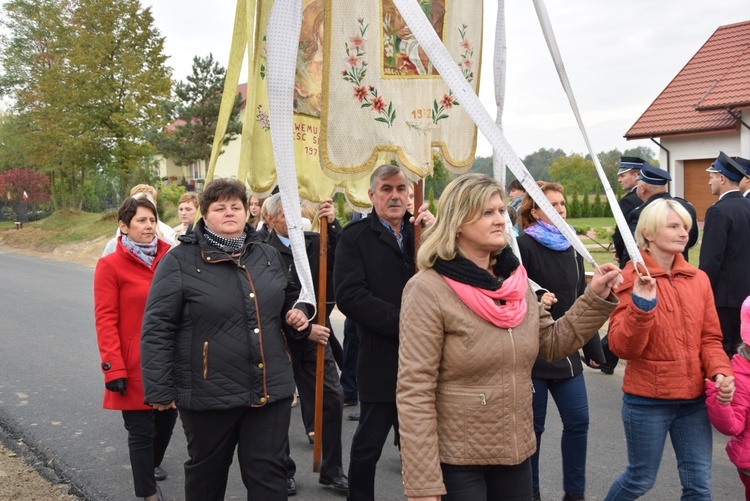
(695, 147)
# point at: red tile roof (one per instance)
(241, 90)
(696, 100)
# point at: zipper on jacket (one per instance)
(482, 396)
(205, 360)
(513, 372)
(686, 340)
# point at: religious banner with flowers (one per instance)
(381, 93)
(259, 170)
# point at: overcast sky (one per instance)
(619, 54)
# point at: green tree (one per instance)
(586, 206)
(431, 206)
(440, 177)
(196, 113)
(539, 163)
(86, 77)
(597, 210)
(482, 165)
(12, 147)
(573, 171)
(575, 205)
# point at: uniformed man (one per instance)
(745, 181)
(652, 185)
(627, 176)
(726, 245)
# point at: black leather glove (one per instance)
(116, 385)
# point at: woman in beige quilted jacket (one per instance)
(470, 331)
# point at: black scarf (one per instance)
(462, 270)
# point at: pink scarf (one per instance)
(482, 301)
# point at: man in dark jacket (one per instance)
(726, 245)
(627, 176)
(744, 163)
(374, 260)
(652, 185)
(304, 352)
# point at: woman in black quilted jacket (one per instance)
(213, 347)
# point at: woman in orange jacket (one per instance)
(667, 328)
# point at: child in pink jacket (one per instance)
(734, 419)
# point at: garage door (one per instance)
(697, 191)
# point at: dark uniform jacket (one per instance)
(213, 331)
(726, 248)
(562, 273)
(369, 275)
(627, 203)
(692, 235)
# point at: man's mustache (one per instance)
(394, 203)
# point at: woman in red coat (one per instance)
(121, 284)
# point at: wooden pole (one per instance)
(321, 351)
(418, 201)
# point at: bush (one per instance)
(603, 234)
(170, 193)
(8, 214)
(581, 230)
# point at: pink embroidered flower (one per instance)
(447, 101)
(465, 44)
(352, 61)
(467, 63)
(378, 104)
(357, 41)
(360, 93)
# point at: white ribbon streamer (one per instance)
(500, 63)
(549, 37)
(451, 74)
(283, 30)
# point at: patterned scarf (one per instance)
(500, 301)
(228, 245)
(144, 252)
(548, 235)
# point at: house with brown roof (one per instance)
(700, 113)
(195, 173)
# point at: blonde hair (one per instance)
(654, 217)
(525, 218)
(310, 211)
(143, 188)
(462, 201)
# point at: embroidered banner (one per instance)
(382, 94)
(259, 170)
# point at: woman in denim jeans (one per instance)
(667, 328)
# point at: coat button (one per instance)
(252, 295)
(262, 400)
(256, 330)
(260, 366)
(208, 258)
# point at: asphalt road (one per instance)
(51, 390)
